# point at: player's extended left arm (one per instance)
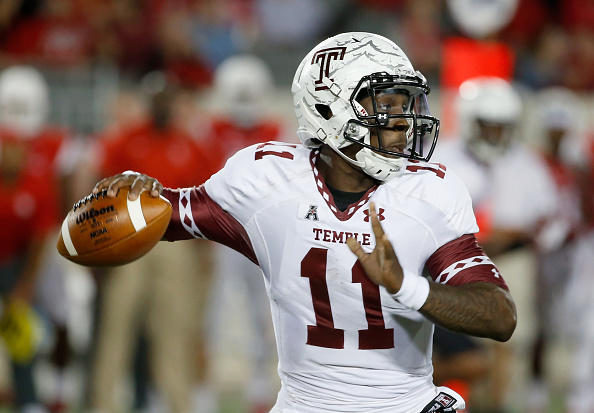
(481, 308)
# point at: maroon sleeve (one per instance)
(196, 215)
(462, 261)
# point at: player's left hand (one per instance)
(381, 265)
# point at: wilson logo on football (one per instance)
(93, 213)
(324, 58)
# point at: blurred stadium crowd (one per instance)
(90, 88)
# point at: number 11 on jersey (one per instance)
(323, 333)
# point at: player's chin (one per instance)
(392, 152)
(393, 148)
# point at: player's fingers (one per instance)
(356, 248)
(381, 253)
(102, 184)
(157, 188)
(113, 187)
(114, 183)
(378, 231)
(388, 249)
(139, 183)
(391, 262)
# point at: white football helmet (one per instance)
(243, 82)
(24, 100)
(345, 67)
(486, 103)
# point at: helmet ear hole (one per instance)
(362, 94)
(324, 111)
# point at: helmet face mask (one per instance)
(410, 94)
(340, 91)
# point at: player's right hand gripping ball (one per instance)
(101, 231)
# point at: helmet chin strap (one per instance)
(375, 165)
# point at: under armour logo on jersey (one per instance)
(312, 213)
(324, 58)
(380, 214)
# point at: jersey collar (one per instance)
(323, 189)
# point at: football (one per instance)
(101, 231)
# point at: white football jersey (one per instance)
(344, 343)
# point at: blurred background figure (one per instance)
(578, 294)
(24, 112)
(163, 295)
(244, 93)
(459, 362)
(20, 261)
(512, 190)
(558, 122)
(43, 33)
(48, 153)
(31, 217)
(243, 88)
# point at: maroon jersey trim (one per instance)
(196, 215)
(462, 261)
(325, 192)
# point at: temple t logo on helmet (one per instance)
(340, 93)
(323, 58)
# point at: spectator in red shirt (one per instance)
(244, 84)
(51, 155)
(28, 215)
(137, 298)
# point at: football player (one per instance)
(578, 294)
(557, 112)
(342, 227)
(243, 84)
(136, 301)
(28, 212)
(513, 194)
(51, 153)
